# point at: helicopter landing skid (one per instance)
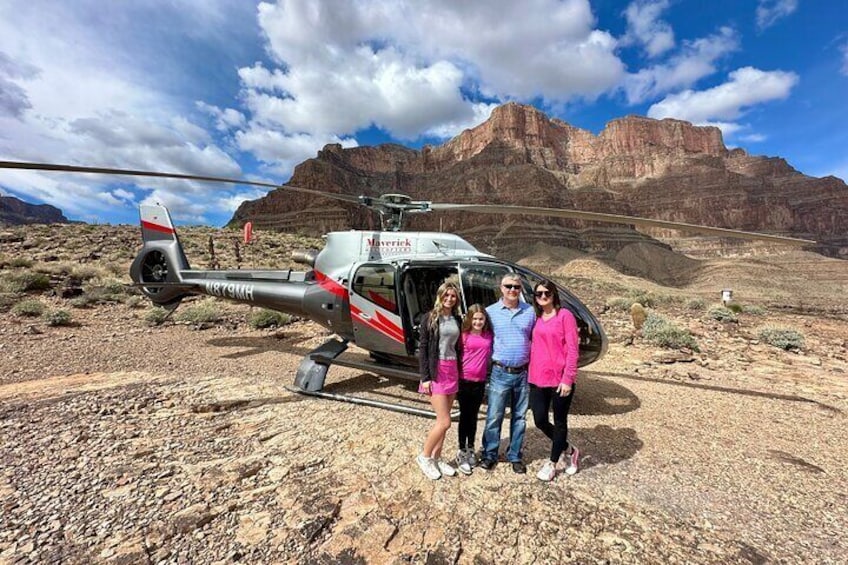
(313, 371)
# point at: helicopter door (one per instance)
(374, 310)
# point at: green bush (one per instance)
(619, 303)
(28, 308)
(734, 307)
(58, 318)
(206, 312)
(754, 310)
(20, 263)
(722, 314)
(661, 332)
(265, 318)
(26, 281)
(645, 298)
(156, 316)
(784, 338)
(696, 304)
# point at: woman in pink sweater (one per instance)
(552, 372)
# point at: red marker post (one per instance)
(248, 232)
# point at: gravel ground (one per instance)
(122, 443)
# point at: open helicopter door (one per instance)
(374, 312)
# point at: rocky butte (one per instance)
(14, 211)
(665, 169)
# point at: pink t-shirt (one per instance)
(476, 352)
(554, 351)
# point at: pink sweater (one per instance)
(554, 351)
(476, 352)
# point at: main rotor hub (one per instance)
(392, 207)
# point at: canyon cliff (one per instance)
(665, 169)
(14, 211)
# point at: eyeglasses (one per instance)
(543, 293)
(512, 286)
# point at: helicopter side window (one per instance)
(376, 283)
(481, 282)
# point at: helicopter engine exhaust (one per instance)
(305, 256)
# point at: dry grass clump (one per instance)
(24, 281)
(202, 314)
(265, 318)
(28, 308)
(722, 314)
(783, 338)
(660, 331)
(58, 318)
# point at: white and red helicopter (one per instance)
(369, 288)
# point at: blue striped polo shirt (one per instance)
(512, 330)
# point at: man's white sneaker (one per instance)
(428, 466)
(462, 462)
(547, 472)
(445, 469)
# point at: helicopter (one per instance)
(370, 288)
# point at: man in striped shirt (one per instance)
(512, 322)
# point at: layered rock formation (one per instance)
(14, 212)
(665, 169)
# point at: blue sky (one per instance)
(246, 89)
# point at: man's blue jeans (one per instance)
(506, 388)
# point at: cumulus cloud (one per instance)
(403, 66)
(724, 104)
(770, 11)
(645, 28)
(13, 98)
(844, 50)
(696, 60)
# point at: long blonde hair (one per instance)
(440, 296)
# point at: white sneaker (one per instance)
(463, 462)
(445, 469)
(569, 463)
(547, 472)
(429, 467)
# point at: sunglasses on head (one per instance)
(512, 286)
(543, 293)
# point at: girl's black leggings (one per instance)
(541, 399)
(470, 397)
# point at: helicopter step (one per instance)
(313, 371)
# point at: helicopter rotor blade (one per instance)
(180, 176)
(616, 219)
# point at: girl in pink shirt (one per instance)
(477, 340)
(552, 372)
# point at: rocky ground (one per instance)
(126, 443)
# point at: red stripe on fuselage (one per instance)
(330, 285)
(379, 323)
(156, 227)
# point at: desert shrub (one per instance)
(206, 312)
(156, 316)
(661, 332)
(645, 298)
(696, 304)
(722, 314)
(734, 307)
(619, 303)
(58, 318)
(28, 308)
(20, 262)
(26, 281)
(85, 272)
(754, 310)
(784, 338)
(106, 291)
(135, 302)
(265, 318)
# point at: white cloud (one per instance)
(695, 61)
(283, 151)
(645, 28)
(753, 138)
(403, 65)
(770, 11)
(727, 102)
